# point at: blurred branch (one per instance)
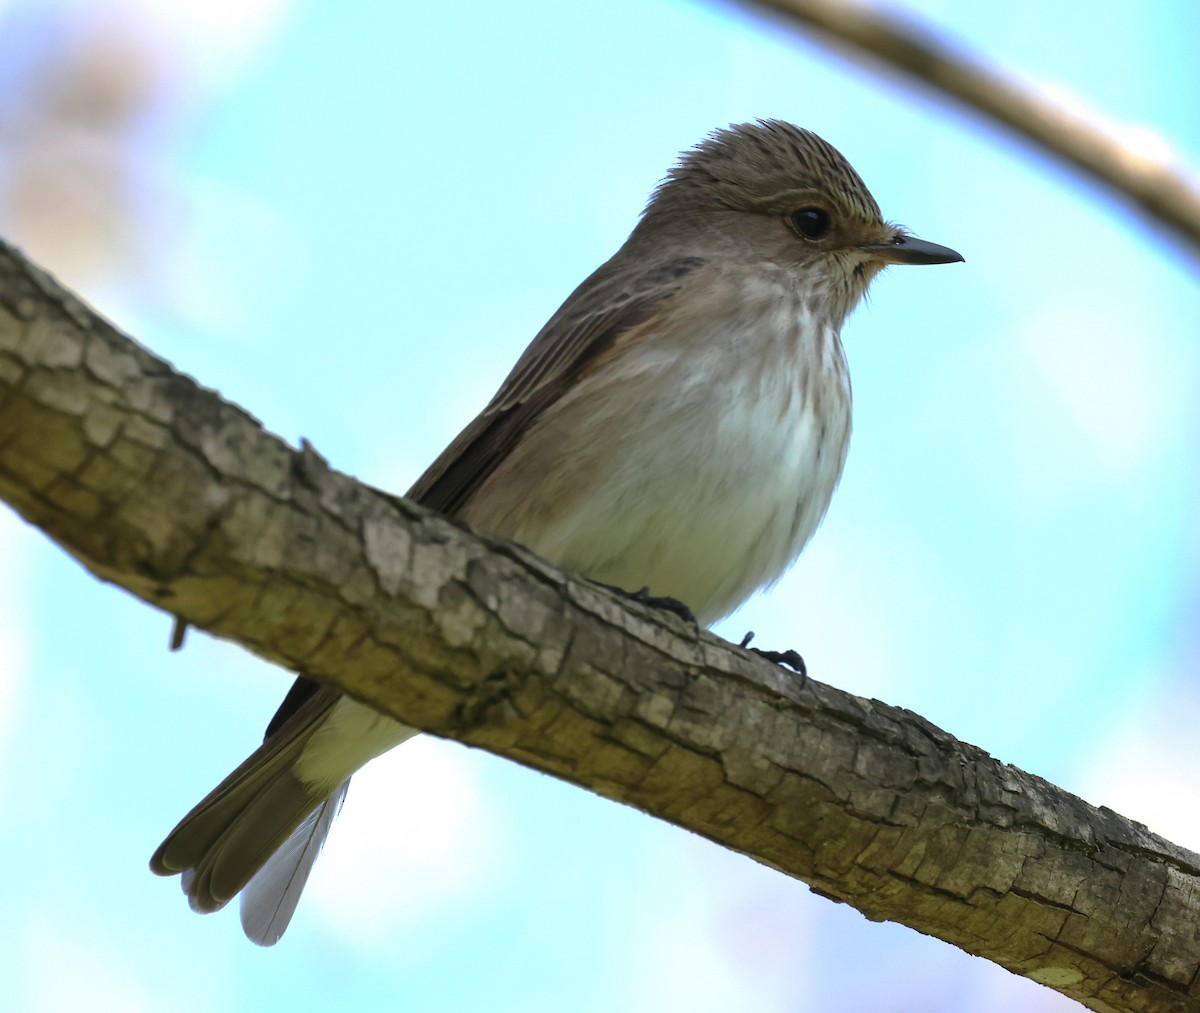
(181, 498)
(1140, 170)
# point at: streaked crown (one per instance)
(755, 166)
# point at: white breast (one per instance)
(697, 461)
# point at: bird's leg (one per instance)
(789, 658)
(644, 596)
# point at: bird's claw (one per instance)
(791, 659)
(673, 605)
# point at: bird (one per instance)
(678, 426)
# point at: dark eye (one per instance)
(811, 223)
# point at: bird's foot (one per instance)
(673, 605)
(791, 659)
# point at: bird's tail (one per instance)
(260, 831)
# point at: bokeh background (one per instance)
(350, 218)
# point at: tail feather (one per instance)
(218, 814)
(270, 898)
(262, 828)
(246, 843)
(232, 833)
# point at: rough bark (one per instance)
(162, 488)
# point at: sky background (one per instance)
(350, 218)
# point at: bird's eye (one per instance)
(811, 223)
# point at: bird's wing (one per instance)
(606, 306)
(219, 846)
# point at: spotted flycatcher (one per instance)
(678, 425)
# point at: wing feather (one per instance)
(593, 319)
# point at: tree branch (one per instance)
(1140, 170)
(162, 488)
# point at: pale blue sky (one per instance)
(358, 216)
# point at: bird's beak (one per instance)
(910, 250)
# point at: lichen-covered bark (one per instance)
(159, 486)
